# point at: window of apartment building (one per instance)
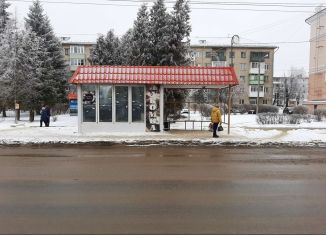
(76, 62)
(66, 51)
(198, 54)
(241, 101)
(255, 65)
(220, 55)
(208, 65)
(242, 78)
(253, 101)
(232, 54)
(208, 54)
(266, 89)
(267, 66)
(77, 50)
(243, 66)
(243, 54)
(255, 88)
(266, 78)
(264, 101)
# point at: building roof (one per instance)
(252, 46)
(159, 75)
(315, 16)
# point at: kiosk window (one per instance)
(89, 103)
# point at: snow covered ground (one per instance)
(244, 131)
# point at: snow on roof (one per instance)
(161, 75)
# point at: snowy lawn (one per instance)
(244, 129)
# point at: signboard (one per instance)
(16, 106)
(73, 106)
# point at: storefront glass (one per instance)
(105, 103)
(89, 103)
(121, 96)
(138, 104)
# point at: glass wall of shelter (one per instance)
(112, 104)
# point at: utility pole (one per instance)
(261, 59)
(257, 106)
(234, 39)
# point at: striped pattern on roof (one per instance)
(160, 75)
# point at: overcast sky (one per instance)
(285, 27)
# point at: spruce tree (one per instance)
(29, 71)
(54, 81)
(4, 15)
(106, 51)
(179, 40)
(8, 44)
(141, 45)
(125, 48)
(160, 22)
(97, 56)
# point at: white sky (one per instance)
(84, 22)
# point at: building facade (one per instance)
(317, 65)
(250, 63)
(76, 53)
(246, 60)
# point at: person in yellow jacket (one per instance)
(216, 119)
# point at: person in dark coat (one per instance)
(48, 115)
(43, 116)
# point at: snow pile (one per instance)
(244, 131)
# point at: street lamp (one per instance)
(261, 59)
(234, 39)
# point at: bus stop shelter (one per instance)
(131, 98)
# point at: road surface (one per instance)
(167, 190)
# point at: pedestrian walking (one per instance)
(216, 119)
(43, 116)
(48, 115)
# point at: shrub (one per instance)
(320, 114)
(268, 109)
(275, 118)
(300, 110)
(295, 118)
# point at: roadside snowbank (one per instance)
(244, 131)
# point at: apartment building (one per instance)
(246, 60)
(76, 53)
(317, 66)
(253, 65)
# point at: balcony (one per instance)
(253, 80)
(254, 68)
(253, 92)
(258, 56)
(218, 58)
(219, 64)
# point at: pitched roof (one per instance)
(160, 75)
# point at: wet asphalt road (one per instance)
(169, 190)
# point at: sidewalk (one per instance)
(244, 132)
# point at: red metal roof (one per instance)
(161, 75)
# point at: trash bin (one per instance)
(166, 126)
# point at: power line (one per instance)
(195, 8)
